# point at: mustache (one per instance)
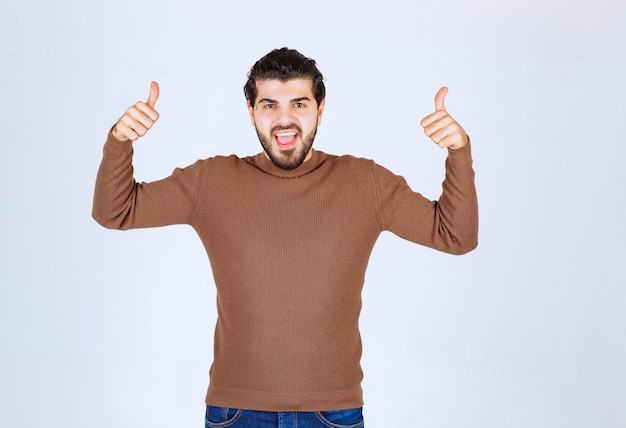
(288, 126)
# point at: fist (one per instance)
(138, 119)
(441, 128)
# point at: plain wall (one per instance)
(101, 328)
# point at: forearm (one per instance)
(457, 207)
(115, 185)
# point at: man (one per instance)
(288, 233)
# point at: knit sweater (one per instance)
(288, 252)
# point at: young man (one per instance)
(288, 233)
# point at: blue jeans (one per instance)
(219, 417)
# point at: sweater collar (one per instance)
(262, 162)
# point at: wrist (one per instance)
(462, 144)
(116, 135)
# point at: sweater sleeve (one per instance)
(449, 224)
(122, 203)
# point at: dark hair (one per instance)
(284, 64)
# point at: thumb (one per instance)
(440, 97)
(154, 94)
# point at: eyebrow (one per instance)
(295, 100)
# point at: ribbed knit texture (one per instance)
(288, 251)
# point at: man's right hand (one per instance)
(139, 118)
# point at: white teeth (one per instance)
(285, 134)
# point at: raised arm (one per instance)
(122, 203)
(449, 224)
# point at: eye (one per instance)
(299, 105)
(269, 105)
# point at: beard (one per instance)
(287, 159)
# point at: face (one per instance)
(286, 117)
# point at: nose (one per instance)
(284, 116)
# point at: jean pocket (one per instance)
(351, 418)
(217, 417)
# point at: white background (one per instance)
(114, 329)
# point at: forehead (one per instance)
(275, 89)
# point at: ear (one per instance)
(320, 112)
(251, 112)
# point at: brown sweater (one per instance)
(288, 251)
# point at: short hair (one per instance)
(284, 64)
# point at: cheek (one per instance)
(262, 123)
(315, 121)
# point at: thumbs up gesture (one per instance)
(139, 118)
(441, 128)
